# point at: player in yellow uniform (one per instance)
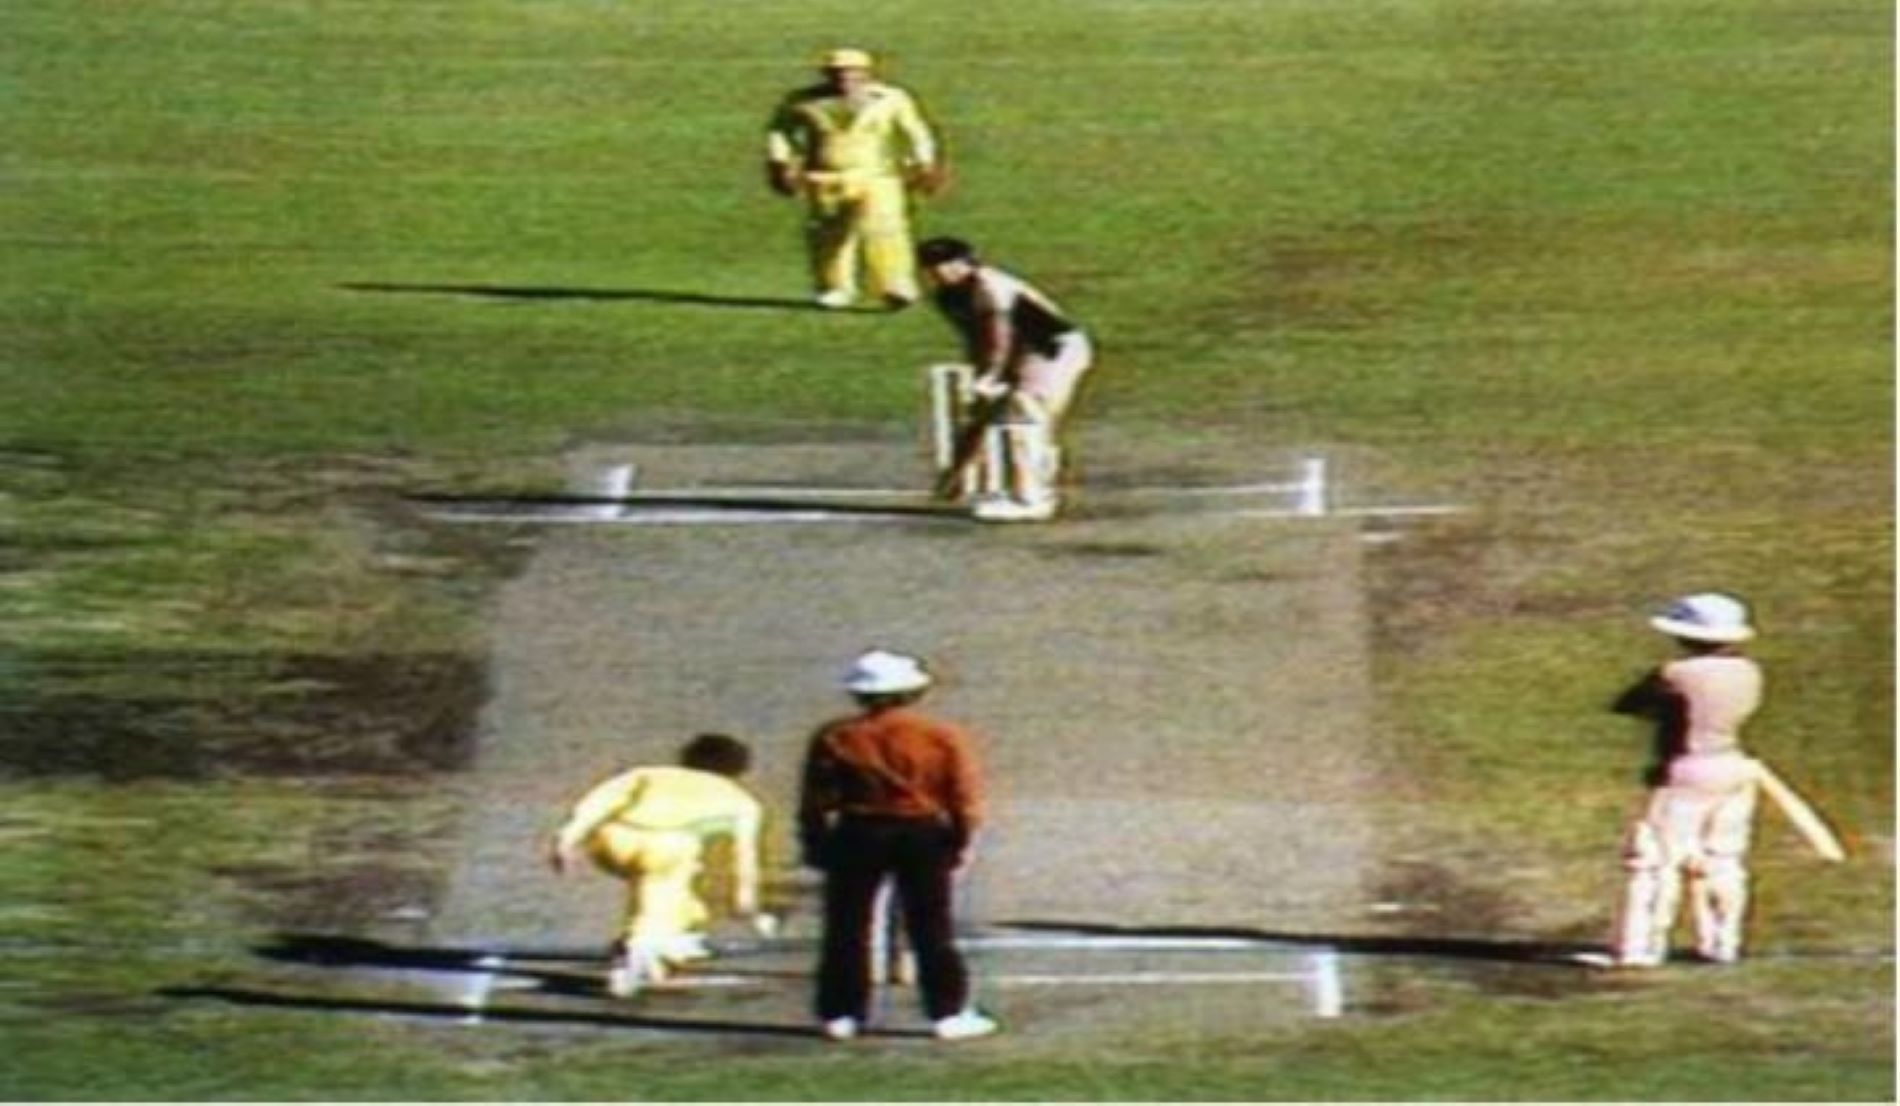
(854, 147)
(649, 827)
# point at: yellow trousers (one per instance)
(848, 217)
(659, 867)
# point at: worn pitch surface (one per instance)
(1171, 705)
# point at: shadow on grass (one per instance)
(325, 950)
(449, 1011)
(541, 967)
(529, 293)
(1451, 948)
(550, 969)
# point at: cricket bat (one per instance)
(968, 444)
(1808, 823)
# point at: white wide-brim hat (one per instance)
(1710, 616)
(885, 673)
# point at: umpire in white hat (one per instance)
(890, 793)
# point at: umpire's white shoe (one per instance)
(964, 1026)
(836, 299)
(839, 1029)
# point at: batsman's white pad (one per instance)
(1718, 899)
(1650, 898)
(1026, 408)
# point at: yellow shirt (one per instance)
(878, 132)
(667, 799)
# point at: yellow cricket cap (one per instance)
(845, 59)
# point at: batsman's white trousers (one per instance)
(1696, 828)
(1045, 388)
(1052, 381)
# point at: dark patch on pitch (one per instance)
(1120, 549)
(1441, 906)
(201, 716)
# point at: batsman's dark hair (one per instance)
(937, 251)
(716, 753)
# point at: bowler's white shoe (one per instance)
(1610, 960)
(839, 1029)
(964, 1026)
(634, 968)
(1003, 509)
(836, 299)
(623, 983)
(685, 948)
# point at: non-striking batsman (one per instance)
(1693, 833)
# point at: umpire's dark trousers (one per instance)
(920, 855)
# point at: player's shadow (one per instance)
(542, 968)
(519, 293)
(1455, 948)
(449, 1011)
(551, 972)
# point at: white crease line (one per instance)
(1423, 509)
(475, 998)
(1356, 512)
(802, 491)
(1208, 490)
(1329, 992)
(685, 517)
(798, 492)
(1140, 979)
(709, 981)
(1089, 941)
(1312, 488)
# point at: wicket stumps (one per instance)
(952, 395)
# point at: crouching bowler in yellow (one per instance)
(649, 826)
(854, 148)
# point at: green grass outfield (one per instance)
(1616, 273)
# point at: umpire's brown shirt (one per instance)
(891, 763)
